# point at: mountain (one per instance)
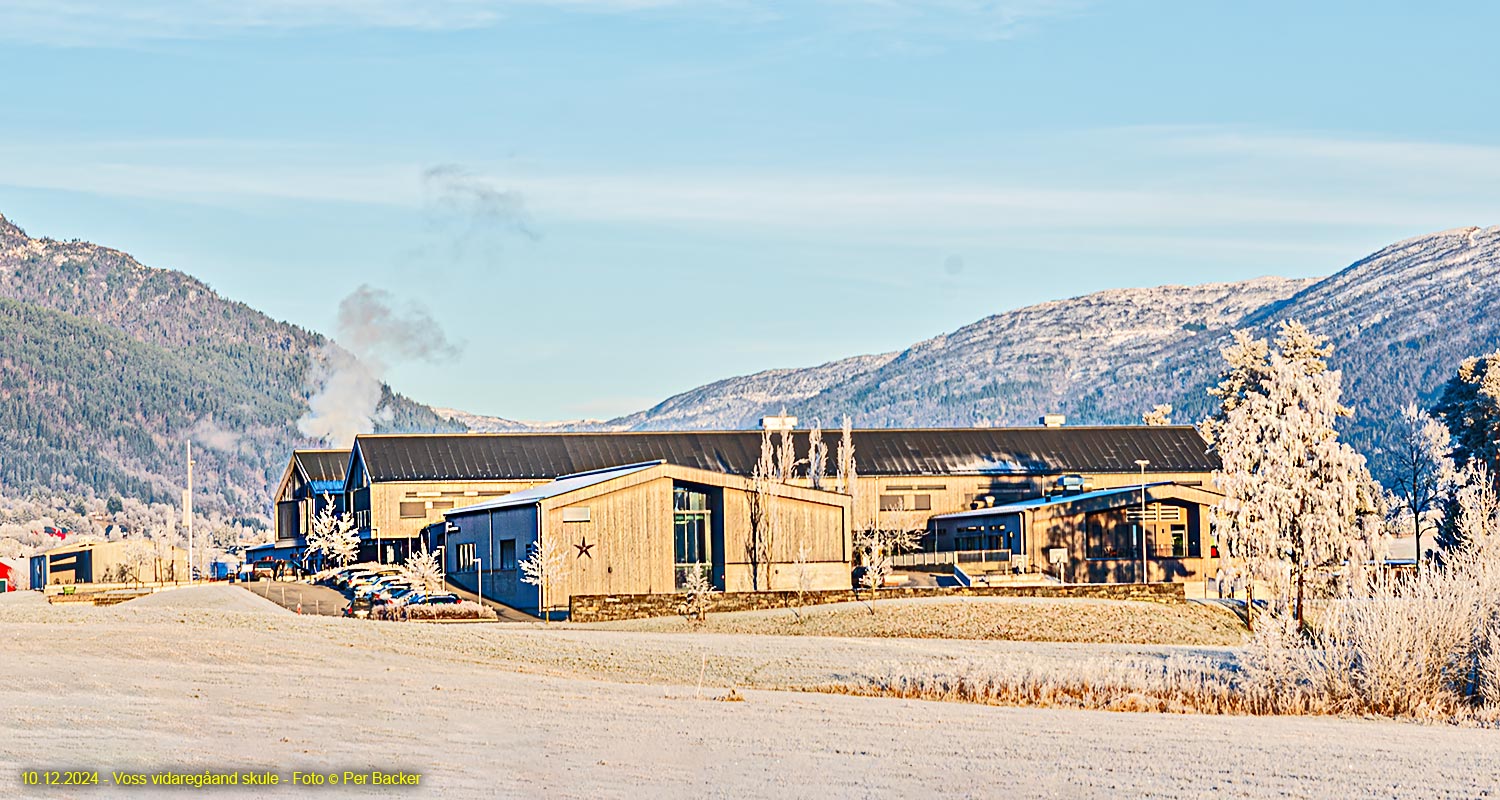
(109, 366)
(1400, 320)
(1005, 369)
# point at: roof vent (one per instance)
(1054, 420)
(778, 422)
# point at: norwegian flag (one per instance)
(61, 533)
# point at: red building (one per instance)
(7, 579)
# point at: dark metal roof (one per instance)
(922, 451)
(323, 465)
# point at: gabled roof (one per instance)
(920, 451)
(323, 465)
(1101, 498)
(561, 486)
(322, 470)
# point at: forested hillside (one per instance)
(108, 367)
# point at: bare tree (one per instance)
(817, 457)
(545, 565)
(786, 457)
(845, 477)
(763, 518)
(878, 545)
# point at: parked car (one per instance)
(371, 590)
(399, 596)
(445, 598)
(392, 593)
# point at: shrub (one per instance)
(465, 609)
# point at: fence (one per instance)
(945, 557)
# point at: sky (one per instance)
(605, 202)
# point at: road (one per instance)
(313, 599)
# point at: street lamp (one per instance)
(479, 580)
(1143, 463)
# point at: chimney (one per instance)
(1054, 420)
(779, 422)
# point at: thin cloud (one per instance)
(1234, 182)
(88, 23)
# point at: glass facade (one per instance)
(691, 520)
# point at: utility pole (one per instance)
(187, 509)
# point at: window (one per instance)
(1110, 536)
(936, 487)
(442, 506)
(898, 488)
(507, 554)
(464, 552)
(1174, 545)
(413, 510)
(892, 502)
(577, 514)
(690, 532)
(921, 502)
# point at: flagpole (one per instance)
(187, 509)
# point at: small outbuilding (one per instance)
(645, 528)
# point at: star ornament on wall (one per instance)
(584, 548)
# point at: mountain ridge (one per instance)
(137, 360)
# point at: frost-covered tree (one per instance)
(333, 537)
(1470, 407)
(817, 457)
(786, 457)
(1160, 415)
(1472, 512)
(543, 566)
(1424, 470)
(1292, 489)
(762, 509)
(698, 594)
(424, 571)
(877, 545)
(1246, 360)
(845, 473)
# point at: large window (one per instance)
(1110, 535)
(465, 555)
(690, 529)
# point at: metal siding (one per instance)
(516, 456)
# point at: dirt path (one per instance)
(192, 686)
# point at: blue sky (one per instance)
(609, 201)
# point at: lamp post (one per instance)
(479, 580)
(1143, 463)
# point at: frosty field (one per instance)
(214, 678)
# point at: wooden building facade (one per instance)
(1094, 536)
(644, 528)
(398, 485)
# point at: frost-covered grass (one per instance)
(1423, 647)
(1004, 618)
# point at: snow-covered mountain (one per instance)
(1400, 319)
(1004, 369)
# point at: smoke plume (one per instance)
(347, 374)
(471, 213)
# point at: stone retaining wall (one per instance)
(611, 607)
